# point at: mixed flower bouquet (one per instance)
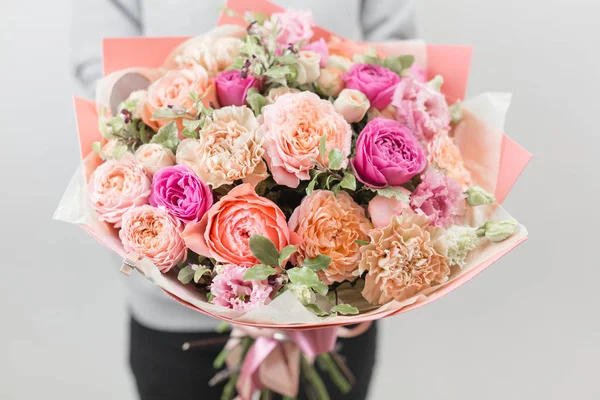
(273, 175)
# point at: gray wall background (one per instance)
(526, 328)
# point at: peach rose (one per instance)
(404, 258)
(445, 153)
(330, 81)
(173, 89)
(213, 53)
(224, 231)
(153, 233)
(229, 148)
(154, 156)
(118, 186)
(352, 105)
(328, 224)
(293, 127)
(275, 93)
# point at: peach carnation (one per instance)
(443, 151)
(330, 225)
(404, 258)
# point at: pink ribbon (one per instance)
(273, 361)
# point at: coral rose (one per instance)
(173, 89)
(224, 231)
(404, 258)
(293, 128)
(229, 148)
(153, 233)
(443, 152)
(328, 224)
(229, 289)
(118, 186)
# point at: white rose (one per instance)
(338, 62)
(277, 92)
(352, 104)
(153, 157)
(308, 66)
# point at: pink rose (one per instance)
(376, 82)
(181, 193)
(438, 197)
(118, 186)
(224, 231)
(153, 233)
(293, 26)
(293, 127)
(232, 87)
(421, 108)
(319, 47)
(381, 209)
(387, 154)
(229, 289)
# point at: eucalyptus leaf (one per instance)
(144, 136)
(319, 263)
(200, 272)
(97, 147)
(315, 309)
(167, 113)
(312, 183)
(255, 100)
(349, 181)
(307, 277)
(336, 158)
(259, 272)
(400, 64)
(167, 136)
(264, 250)
(285, 253)
(393, 192)
(361, 242)
(186, 274)
(344, 309)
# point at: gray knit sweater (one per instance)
(376, 20)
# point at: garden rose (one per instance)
(293, 26)
(443, 152)
(330, 224)
(229, 148)
(308, 67)
(330, 81)
(229, 289)
(404, 258)
(376, 82)
(352, 104)
(232, 88)
(153, 233)
(319, 47)
(275, 93)
(224, 231)
(421, 108)
(117, 186)
(381, 208)
(438, 197)
(181, 193)
(173, 89)
(213, 53)
(154, 156)
(293, 127)
(387, 154)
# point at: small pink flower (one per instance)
(438, 197)
(293, 26)
(232, 87)
(231, 290)
(422, 109)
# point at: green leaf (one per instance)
(144, 136)
(349, 181)
(186, 274)
(362, 242)
(222, 327)
(285, 253)
(323, 148)
(312, 183)
(259, 272)
(400, 65)
(200, 272)
(394, 192)
(436, 83)
(344, 309)
(168, 113)
(119, 151)
(456, 111)
(319, 263)
(315, 309)
(328, 181)
(336, 158)
(255, 100)
(97, 147)
(287, 59)
(264, 250)
(167, 137)
(190, 126)
(308, 277)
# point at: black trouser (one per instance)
(164, 372)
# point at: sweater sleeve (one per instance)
(384, 20)
(91, 21)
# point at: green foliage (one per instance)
(259, 272)
(186, 274)
(307, 277)
(344, 309)
(167, 137)
(285, 253)
(319, 263)
(264, 250)
(255, 100)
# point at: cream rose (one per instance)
(215, 54)
(338, 62)
(275, 93)
(308, 66)
(229, 148)
(154, 157)
(330, 81)
(352, 104)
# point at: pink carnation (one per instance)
(231, 290)
(293, 26)
(422, 109)
(438, 197)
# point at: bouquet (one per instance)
(288, 181)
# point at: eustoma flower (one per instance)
(421, 108)
(330, 224)
(403, 258)
(232, 87)
(292, 26)
(387, 154)
(181, 193)
(293, 127)
(438, 197)
(153, 233)
(229, 289)
(376, 82)
(224, 231)
(117, 186)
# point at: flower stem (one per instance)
(327, 364)
(311, 374)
